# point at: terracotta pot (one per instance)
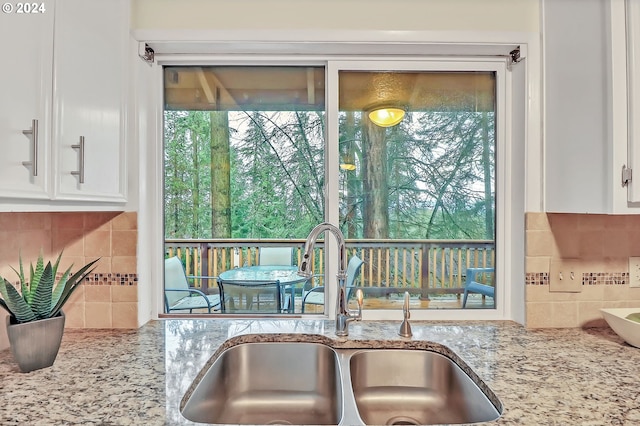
(35, 344)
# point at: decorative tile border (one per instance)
(605, 278)
(588, 278)
(537, 278)
(114, 278)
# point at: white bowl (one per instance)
(627, 329)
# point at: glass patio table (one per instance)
(286, 275)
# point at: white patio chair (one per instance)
(279, 256)
(179, 296)
(315, 295)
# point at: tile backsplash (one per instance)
(602, 244)
(108, 298)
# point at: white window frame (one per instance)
(497, 65)
(518, 187)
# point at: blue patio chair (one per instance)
(472, 285)
(315, 295)
(179, 296)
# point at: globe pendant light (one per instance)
(386, 116)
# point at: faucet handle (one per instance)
(359, 299)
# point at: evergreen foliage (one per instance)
(440, 174)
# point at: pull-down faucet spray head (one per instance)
(305, 266)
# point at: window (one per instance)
(417, 199)
(244, 152)
(255, 156)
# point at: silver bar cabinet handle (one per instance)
(33, 131)
(80, 172)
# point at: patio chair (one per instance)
(472, 284)
(315, 295)
(279, 256)
(253, 296)
(179, 296)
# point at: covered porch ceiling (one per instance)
(295, 88)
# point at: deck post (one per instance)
(204, 265)
(424, 267)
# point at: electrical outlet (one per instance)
(634, 272)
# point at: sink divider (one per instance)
(350, 413)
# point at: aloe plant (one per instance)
(40, 297)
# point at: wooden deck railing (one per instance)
(391, 266)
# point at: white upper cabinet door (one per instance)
(585, 107)
(26, 46)
(632, 26)
(90, 100)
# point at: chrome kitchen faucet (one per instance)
(343, 314)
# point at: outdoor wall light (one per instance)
(348, 166)
(347, 162)
(347, 158)
(386, 116)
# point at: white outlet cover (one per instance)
(634, 272)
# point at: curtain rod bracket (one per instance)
(146, 53)
(514, 57)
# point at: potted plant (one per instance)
(36, 322)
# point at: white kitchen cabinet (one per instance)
(632, 24)
(585, 109)
(90, 100)
(26, 44)
(68, 69)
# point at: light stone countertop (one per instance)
(138, 377)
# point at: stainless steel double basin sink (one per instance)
(307, 383)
